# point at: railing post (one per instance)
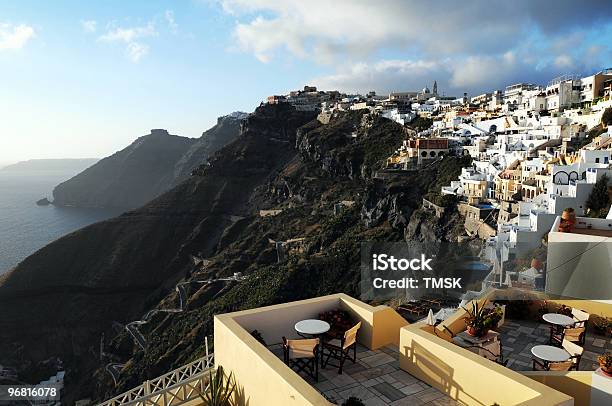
(147, 387)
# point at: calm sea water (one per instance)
(26, 227)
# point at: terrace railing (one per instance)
(177, 387)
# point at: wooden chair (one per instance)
(573, 363)
(302, 355)
(552, 366)
(341, 349)
(573, 334)
(575, 351)
(581, 317)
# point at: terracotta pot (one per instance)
(569, 216)
(474, 332)
(608, 371)
(566, 227)
(535, 263)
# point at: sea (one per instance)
(26, 227)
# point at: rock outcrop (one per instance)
(150, 166)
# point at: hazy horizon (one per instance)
(89, 78)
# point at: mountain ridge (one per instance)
(148, 167)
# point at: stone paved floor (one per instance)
(519, 336)
(376, 379)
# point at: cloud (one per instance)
(434, 28)
(381, 46)
(130, 36)
(136, 50)
(15, 36)
(89, 26)
(472, 74)
(384, 76)
(169, 17)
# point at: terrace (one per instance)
(397, 363)
(376, 378)
(519, 336)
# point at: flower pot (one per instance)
(569, 215)
(606, 371)
(474, 332)
(566, 226)
(536, 264)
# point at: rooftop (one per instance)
(377, 379)
(398, 363)
(519, 336)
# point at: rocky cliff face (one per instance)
(151, 165)
(100, 278)
(225, 131)
(128, 178)
(58, 301)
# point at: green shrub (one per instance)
(598, 202)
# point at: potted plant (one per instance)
(339, 320)
(605, 362)
(601, 325)
(221, 389)
(480, 320)
(565, 310)
(543, 309)
(568, 219)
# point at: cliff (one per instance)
(95, 281)
(128, 178)
(151, 165)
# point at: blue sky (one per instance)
(84, 79)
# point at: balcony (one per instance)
(397, 363)
(376, 377)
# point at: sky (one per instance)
(84, 79)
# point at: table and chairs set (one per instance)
(320, 343)
(566, 342)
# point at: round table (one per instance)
(549, 353)
(312, 327)
(558, 319)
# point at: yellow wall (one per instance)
(266, 380)
(576, 384)
(468, 377)
(263, 377)
(595, 308)
(380, 325)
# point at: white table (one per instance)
(549, 353)
(558, 319)
(312, 327)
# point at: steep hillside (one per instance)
(151, 165)
(225, 131)
(101, 278)
(128, 178)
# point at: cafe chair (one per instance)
(572, 334)
(575, 351)
(552, 366)
(340, 349)
(302, 356)
(581, 317)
